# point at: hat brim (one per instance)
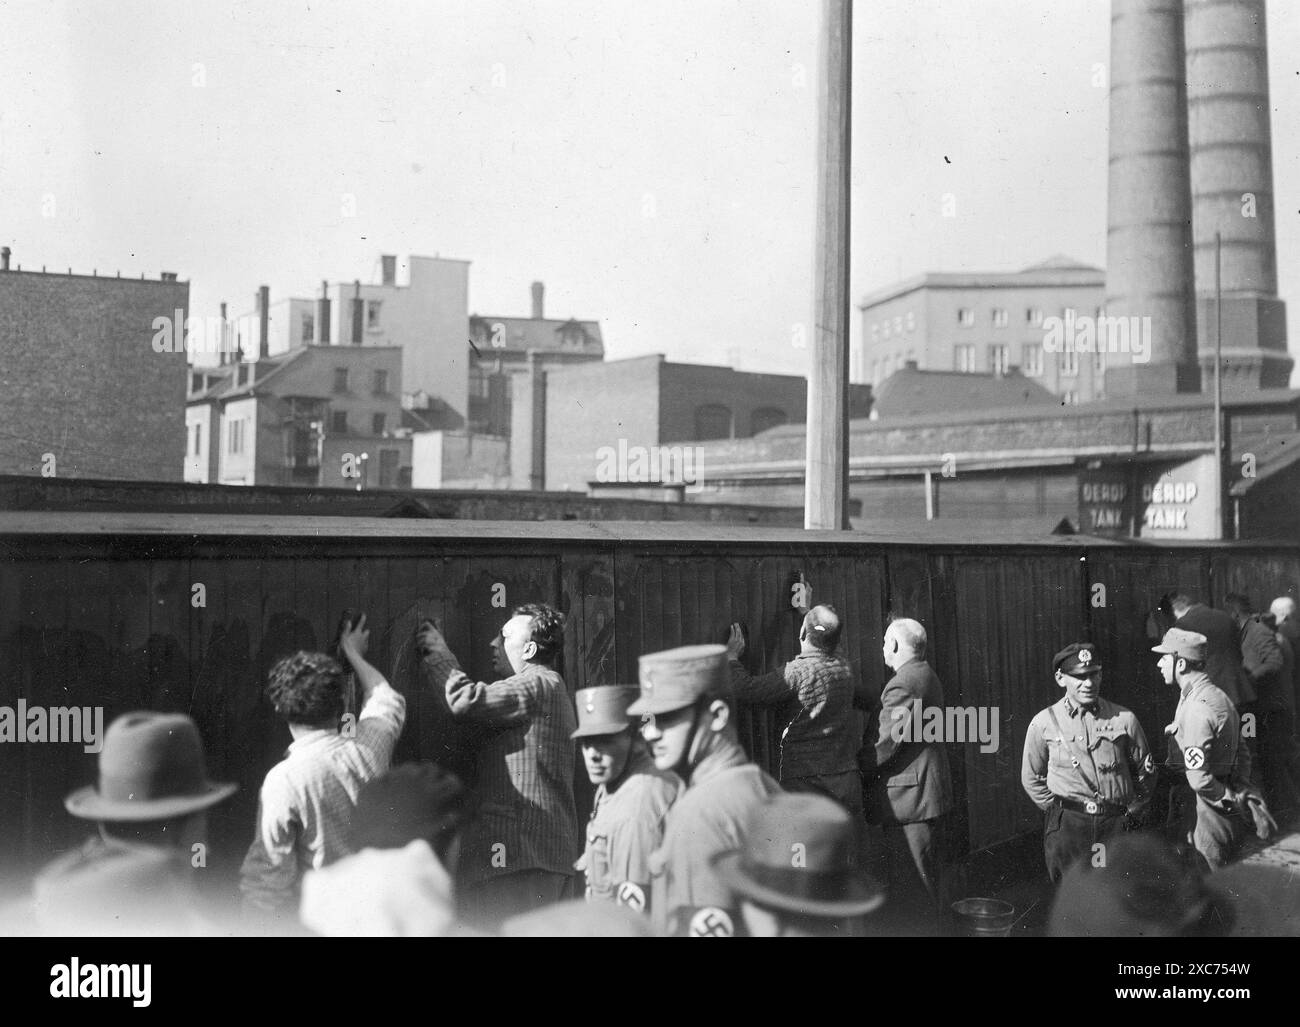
(1163, 649)
(865, 895)
(653, 707)
(1082, 672)
(607, 728)
(87, 804)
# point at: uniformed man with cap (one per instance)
(687, 719)
(1205, 808)
(632, 798)
(1086, 763)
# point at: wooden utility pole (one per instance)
(826, 492)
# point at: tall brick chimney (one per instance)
(264, 321)
(4, 258)
(323, 315)
(1231, 146)
(539, 293)
(1149, 273)
(225, 332)
(389, 266)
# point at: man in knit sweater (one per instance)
(813, 693)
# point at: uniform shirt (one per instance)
(709, 819)
(1205, 744)
(626, 827)
(1121, 763)
(307, 799)
(527, 817)
(824, 732)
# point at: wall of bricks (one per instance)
(80, 378)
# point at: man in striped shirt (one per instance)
(307, 799)
(520, 853)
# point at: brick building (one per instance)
(83, 390)
(648, 402)
(327, 416)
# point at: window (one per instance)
(1069, 361)
(377, 424)
(910, 323)
(1034, 317)
(388, 469)
(964, 357)
(713, 421)
(1070, 398)
(999, 317)
(236, 437)
(766, 417)
(372, 314)
(340, 379)
(998, 359)
(196, 382)
(308, 328)
(339, 422)
(380, 383)
(198, 435)
(1032, 360)
(965, 317)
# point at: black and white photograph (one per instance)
(704, 468)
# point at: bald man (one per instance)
(1283, 610)
(911, 792)
(813, 693)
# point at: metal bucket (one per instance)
(983, 918)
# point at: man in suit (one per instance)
(911, 792)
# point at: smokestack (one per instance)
(357, 312)
(264, 321)
(225, 332)
(323, 315)
(539, 294)
(1231, 149)
(1149, 212)
(4, 258)
(389, 266)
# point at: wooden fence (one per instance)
(188, 612)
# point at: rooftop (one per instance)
(1055, 271)
(913, 392)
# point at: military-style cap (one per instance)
(1190, 645)
(677, 678)
(1077, 659)
(603, 710)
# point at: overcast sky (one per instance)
(651, 162)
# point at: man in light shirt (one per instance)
(308, 798)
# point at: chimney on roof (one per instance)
(539, 293)
(264, 321)
(221, 352)
(389, 265)
(4, 258)
(166, 276)
(910, 365)
(323, 315)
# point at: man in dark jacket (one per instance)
(1224, 661)
(1265, 664)
(822, 732)
(911, 791)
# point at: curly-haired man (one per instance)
(307, 799)
(520, 853)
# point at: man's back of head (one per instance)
(306, 689)
(1283, 608)
(822, 627)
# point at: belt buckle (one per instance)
(1091, 807)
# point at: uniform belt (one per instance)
(1092, 808)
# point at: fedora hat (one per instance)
(799, 857)
(603, 710)
(151, 768)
